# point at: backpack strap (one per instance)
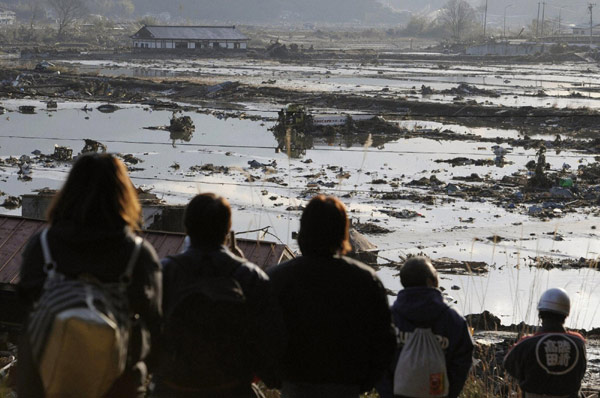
(49, 264)
(125, 278)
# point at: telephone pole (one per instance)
(543, 17)
(591, 8)
(485, 20)
(537, 22)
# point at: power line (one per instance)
(360, 149)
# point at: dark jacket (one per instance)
(183, 270)
(548, 363)
(338, 321)
(425, 307)
(103, 254)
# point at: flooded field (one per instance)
(454, 188)
(239, 158)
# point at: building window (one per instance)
(181, 45)
(216, 44)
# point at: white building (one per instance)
(189, 38)
(7, 18)
(584, 30)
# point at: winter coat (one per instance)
(338, 321)
(425, 307)
(183, 270)
(548, 363)
(103, 254)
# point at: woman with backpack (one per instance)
(89, 247)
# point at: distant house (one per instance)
(189, 38)
(7, 18)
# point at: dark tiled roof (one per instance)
(16, 231)
(190, 33)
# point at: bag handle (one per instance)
(49, 263)
(125, 278)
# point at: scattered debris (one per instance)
(45, 66)
(131, 159)
(62, 153)
(12, 202)
(452, 266)
(27, 109)
(93, 146)
(539, 179)
(404, 213)
(254, 164)
(182, 124)
(370, 228)
(107, 108)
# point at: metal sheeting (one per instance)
(15, 232)
(191, 33)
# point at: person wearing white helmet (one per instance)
(552, 362)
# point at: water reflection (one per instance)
(296, 140)
(183, 136)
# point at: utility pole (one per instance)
(485, 20)
(559, 22)
(543, 17)
(591, 8)
(537, 22)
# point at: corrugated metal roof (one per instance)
(15, 232)
(191, 33)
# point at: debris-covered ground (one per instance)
(491, 169)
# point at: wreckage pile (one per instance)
(183, 124)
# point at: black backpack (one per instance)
(209, 334)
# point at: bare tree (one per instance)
(459, 16)
(35, 10)
(67, 11)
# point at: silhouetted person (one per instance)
(223, 326)
(335, 310)
(92, 223)
(552, 362)
(421, 305)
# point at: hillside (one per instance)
(272, 11)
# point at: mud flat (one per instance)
(445, 176)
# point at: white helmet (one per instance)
(555, 300)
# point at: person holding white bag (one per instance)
(435, 348)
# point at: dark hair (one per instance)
(416, 271)
(97, 193)
(207, 220)
(552, 317)
(324, 227)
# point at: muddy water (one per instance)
(399, 78)
(508, 290)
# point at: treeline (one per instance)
(239, 11)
